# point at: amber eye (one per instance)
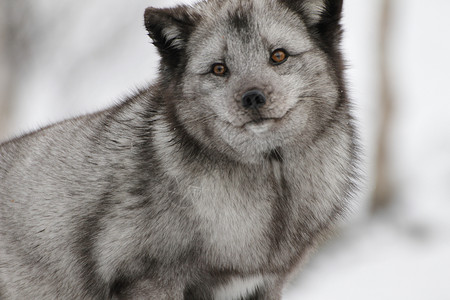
(219, 69)
(279, 56)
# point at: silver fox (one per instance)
(215, 182)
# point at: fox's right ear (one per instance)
(170, 28)
(317, 12)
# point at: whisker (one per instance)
(198, 120)
(305, 97)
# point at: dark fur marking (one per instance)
(281, 209)
(241, 21)
(123, 283)
(276, 155)
(85, 237)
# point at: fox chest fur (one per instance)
(255, 221)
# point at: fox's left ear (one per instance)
(170, 28)
(317, 13)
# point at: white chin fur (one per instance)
(260, 128)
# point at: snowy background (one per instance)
(63, 58)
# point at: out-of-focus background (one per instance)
(63, 58)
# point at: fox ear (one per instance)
(317, 12)
(169, 28)
(323, 11)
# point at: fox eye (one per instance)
(219, 69)
(279, 56)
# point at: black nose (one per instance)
(253, 99)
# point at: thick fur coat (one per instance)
(213, 183)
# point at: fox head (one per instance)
(247, 77)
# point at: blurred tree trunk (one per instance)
(382, 196)
(15, 43)
(5, 68)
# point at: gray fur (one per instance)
(179, 192)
